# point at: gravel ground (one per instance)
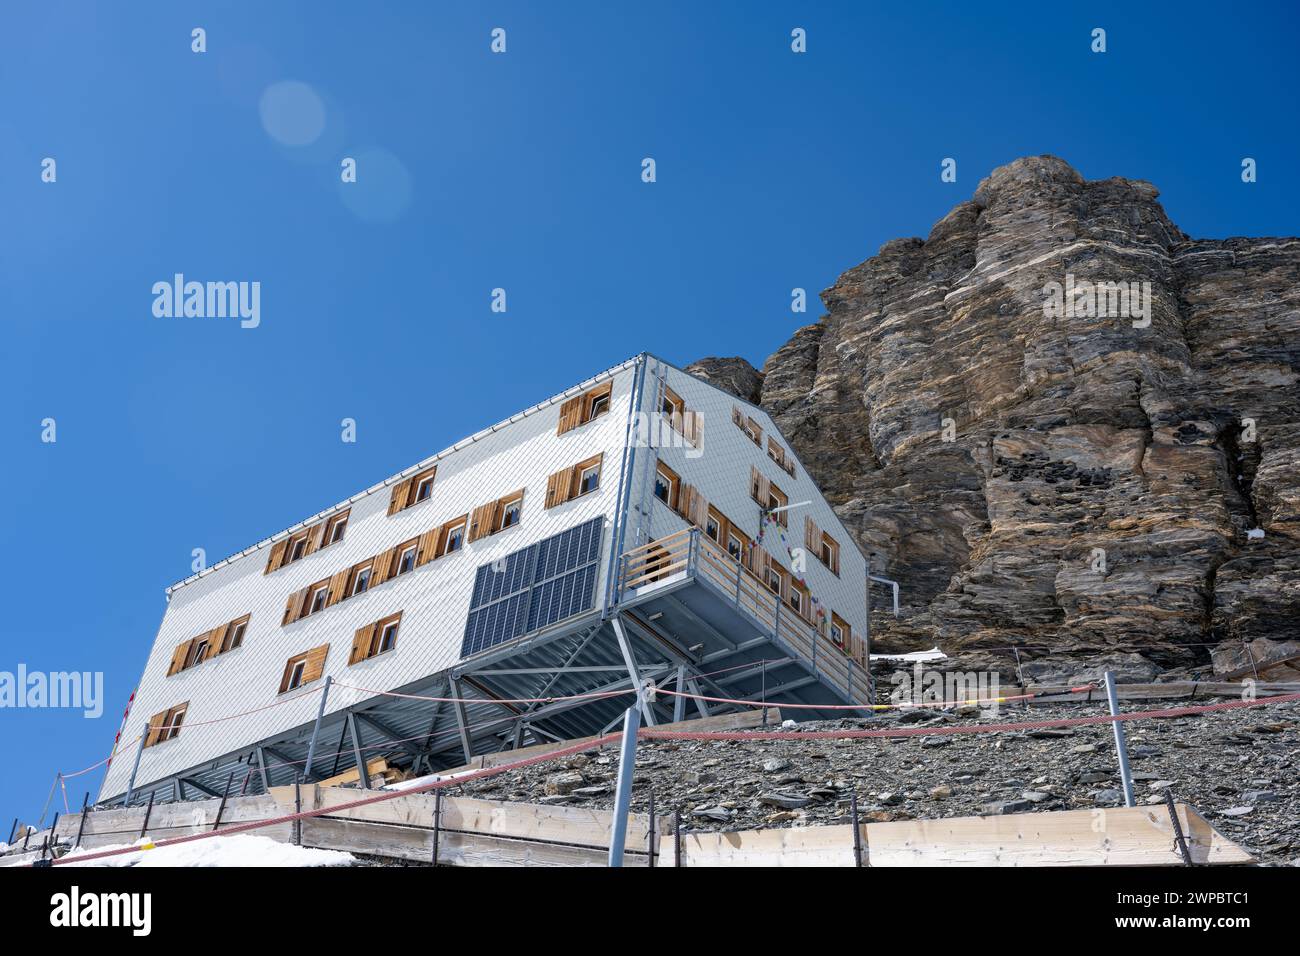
(1238, 768)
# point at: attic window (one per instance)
(298, 548)
(583, 408)
(413, 490)
(165, 725)
(753, 431)
(335, 528)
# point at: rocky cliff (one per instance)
(1052, 470)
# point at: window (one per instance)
(320, 595)
(302, 669)
(673, 404)
(335, 527)
(411, 491)
(798, 599)
(735, 547)
(492, 517)
(165, 725)
(774, 580)
(224, 637)
(234, 636)
(375, 639)
(308, 541)
(841, 633)
(666, 485)
(747, 425)
(453, 537)
(768, 495)
(778, 455)
(361, 580)
(569, 483)
(818, 542)
(511, 513)
(406, 558)
(388, 637)
(830, 552)
(583, 408)
(712, 527)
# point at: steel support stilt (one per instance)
(623, 793)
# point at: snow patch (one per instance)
(242, 849)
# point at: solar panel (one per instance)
(533, 588)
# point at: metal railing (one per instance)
(700, 557)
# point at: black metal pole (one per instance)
(147, 812)
(1178, 827)
(650, 836)
(221, 808)
(857, 830)
(12, 830)
(297, 808)
(437, 822)
(677, 837)
(85, 810)
(54, 831)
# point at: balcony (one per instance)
(690, 588)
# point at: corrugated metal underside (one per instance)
(568, 682)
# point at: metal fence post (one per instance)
(144, 827)
(1121, 748)
(650, 836)
(437, 822)
(81, 827)
(857, 830)
(1178, 827)
(623, 792)
(221, 808)
(677, 836)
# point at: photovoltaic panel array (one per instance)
(533, 588)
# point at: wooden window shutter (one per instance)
(339, 586)
(480, 522)
(155, 728)
(737, 416)
(361, 643)
(314, 535)
(557, 487)
(429, 545)
(293, 608)
(276, 557)
(694, 430)
(178, 657)
(759, 486)
(760, 562)
(315, 665)
(570, 414)
(812, 536)
(401, 491)
(214, 637)
(379, 571)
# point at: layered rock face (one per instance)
(1042, 471)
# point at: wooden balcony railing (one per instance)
(699, 556)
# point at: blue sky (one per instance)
(478, 171)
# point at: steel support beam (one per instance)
(458, 706)
(191, 782)
(357, 751)
(634, 672)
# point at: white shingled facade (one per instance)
(434, 598)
